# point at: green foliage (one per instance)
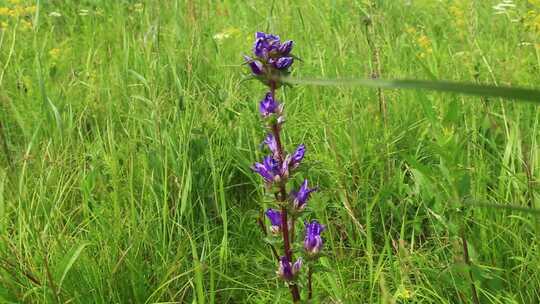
(127, 133)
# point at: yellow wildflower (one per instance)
(26, 25)
(532, 20)
(3, 25)
(17, 11)
(410, 29)
(458, 12)
(30, 9)
(138, 7)
(425, 43)
(54, 53)
(403, 293)
(5, 11)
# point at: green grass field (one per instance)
(127, 133)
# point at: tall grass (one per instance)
(130, 132)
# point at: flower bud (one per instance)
(275, 219)
(288, 271)
(313, 242)
(301, 196)
(283, 63)
(269, 106)
(286, 48)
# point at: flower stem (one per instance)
(310, 290)
(282, 198)
(5, 146)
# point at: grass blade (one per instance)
(441, 86)
(71, 261)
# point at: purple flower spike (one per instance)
(272, 58)
(270, 141)
(269, 105)
(297, 156)
(301, 197)
(275, 219)
(313, 242)
(286, 48)
(283, 63)
(288, 271)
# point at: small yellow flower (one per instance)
(425, 43)
(54, 53)
(17, 11)
(30, 9)
(5, 11)
(532, 20)
(26, 25)
(138, 7)
(411, 30)
(403, 293)
(458, 12)
(3, 25)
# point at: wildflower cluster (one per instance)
(422, 40)
(15, 11)
(272, 59)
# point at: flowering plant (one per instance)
(272, 60)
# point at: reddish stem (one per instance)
(282, 197)
(310, 290)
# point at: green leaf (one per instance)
(509, 207)
(74, 256)
(442, 86)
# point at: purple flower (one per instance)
(260, 48)
(271, 56)
(297, 156)
(270, 141)
(288, 271)
(272, 170)
(274, 216)
(284, 170)
(267, 37)
(267, 168)
(275, 219)
(257, 68)
(265, 45)
(269, 105)
(286, 48)
(301, 197)
(313, 242)
(283, 63)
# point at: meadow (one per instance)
(128, 128)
